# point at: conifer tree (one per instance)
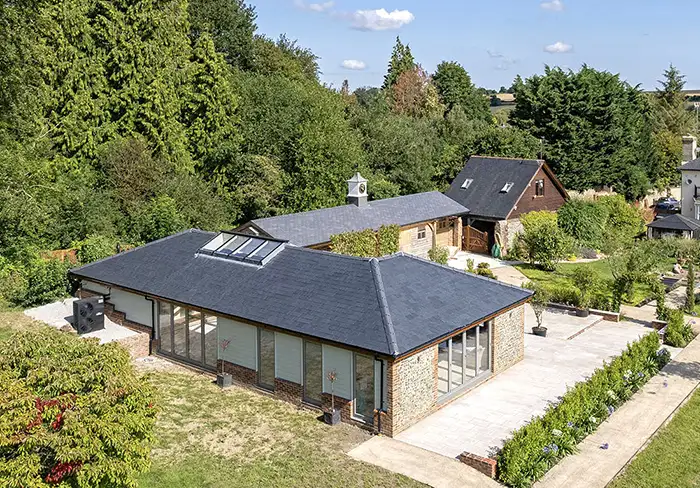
(401, 62)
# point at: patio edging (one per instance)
(608, 316)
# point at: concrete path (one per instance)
(424, 466)
(459, 260)
(479, 421)
(629, 428)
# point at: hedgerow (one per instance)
(540, 444)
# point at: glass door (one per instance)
(313, 372)
(165, 329)
(463, 358)
(363, 406)
(266, 359)
(194, 327)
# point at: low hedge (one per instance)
(546, 439)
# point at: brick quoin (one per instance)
(484, 465)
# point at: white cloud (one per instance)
(314, 7)
(353, 64)
(380, 19)
(553, 5)
(558, 47)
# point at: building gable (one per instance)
(551, 195)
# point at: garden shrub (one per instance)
(439, 255)
(470, 266)
(584, 220)
(540, 444)
(484, 269)
(565, 295)
(388, 239)
(94, 248)
(585, 279)
(678, 332)
(73, 413)
(546, 243)
(362, 243)
(690, 289)
(625, 222)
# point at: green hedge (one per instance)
(540, 444)
(367, 243)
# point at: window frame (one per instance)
(539, 188)
(421, 230)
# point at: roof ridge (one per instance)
(507, 158)
(177, 234)
(455, 270)
(384, 307)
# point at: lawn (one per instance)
(561, 277)
(211, 438)
(672, 459)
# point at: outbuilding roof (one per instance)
(491, 187)
(390, 305)
(317, 226)
(676, 222)
(693, 165)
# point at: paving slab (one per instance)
(484, 417)
(419, 464)
(628, 429)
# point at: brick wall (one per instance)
(508, 339)
(484, 465)
(412, 390)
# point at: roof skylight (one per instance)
(507, 187)
(242, 247)
(467, 183)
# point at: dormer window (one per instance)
(507, 187)
(467, 183)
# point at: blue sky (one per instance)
(493, 39)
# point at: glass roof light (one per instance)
(245, 248)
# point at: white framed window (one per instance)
(421, 233)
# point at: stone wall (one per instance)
(508, 339)
(506, 231)
(412, 389)
(411, 244)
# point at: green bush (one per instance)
(545, 242)
(540, 444)
(439, 255)
(388, 239)
(94, 248)
(690, 289)
(484, 269)
(584, 220)
(362, 243)
(470, 266)
(73, 413)
(585, 279)
(565, 295)
(678, 332)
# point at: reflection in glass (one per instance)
(364, 387)
(443, 363)
(313, 372)
(470, 359)
(457, 358)
(484, 349)
(180, 336)
(210, 340)
(165, 327)
(266, 372)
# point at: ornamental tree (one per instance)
(72, 413)
(546, 243)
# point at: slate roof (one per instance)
(484, 197)
(317, 226)
(389, 305)
(676, 222)
(693, 165)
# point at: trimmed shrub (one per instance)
(470, 266)
(439, 255)
(388, 239)
(584, 220)
(484, 269)
(585, 279)
(565, 295)
(540, 444)
(362, 243)
(72, 413)
(546, 243)
(678, 332)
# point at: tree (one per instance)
(455, 88)
(60, 426)
(401, 61)
(596, 128)
(540, 300)
(414, 95)
(584, 220)
(690, 289)
(546, 243)
(284, 57)
(231, 24)
(670, 106)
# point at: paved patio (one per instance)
(482, 419)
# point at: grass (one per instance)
(672, 459)
(206, 437)
(562, 276)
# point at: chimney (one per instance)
(357, 190)
(690, 149)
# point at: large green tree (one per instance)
(401, 61)
(596, 128)
(455, 88)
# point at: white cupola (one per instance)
(357, 190)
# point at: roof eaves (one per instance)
(384, 307)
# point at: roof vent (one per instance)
(507, 187)
(242, 247)
(467, 183)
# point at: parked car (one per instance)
(668, 205)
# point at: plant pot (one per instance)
(582, 312)
(332, 418)
(540, 331)
(224, 380)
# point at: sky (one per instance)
(495, 40)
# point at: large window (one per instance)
(363, 406)
(266, 359)
(313, 372)
(187, 334)
(464, 357)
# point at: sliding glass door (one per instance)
(363, 406)
(187, 334)
(313, 372)
(464, 358)
(266, 359)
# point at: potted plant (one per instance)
(223, 379)
(332, 417)
(585, 280)
(540, 299)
